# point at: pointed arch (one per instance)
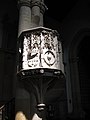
(74, 70)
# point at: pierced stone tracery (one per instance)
(41, 49)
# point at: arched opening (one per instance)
(79, 74)
(84, 74)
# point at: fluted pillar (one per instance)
(24, 15)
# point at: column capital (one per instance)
(43, 7)
(24, 3)
(40, 4)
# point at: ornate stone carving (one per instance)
(41, 49)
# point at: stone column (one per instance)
(42, 10)
(35, 12)
(38, 9)
(24, 15)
